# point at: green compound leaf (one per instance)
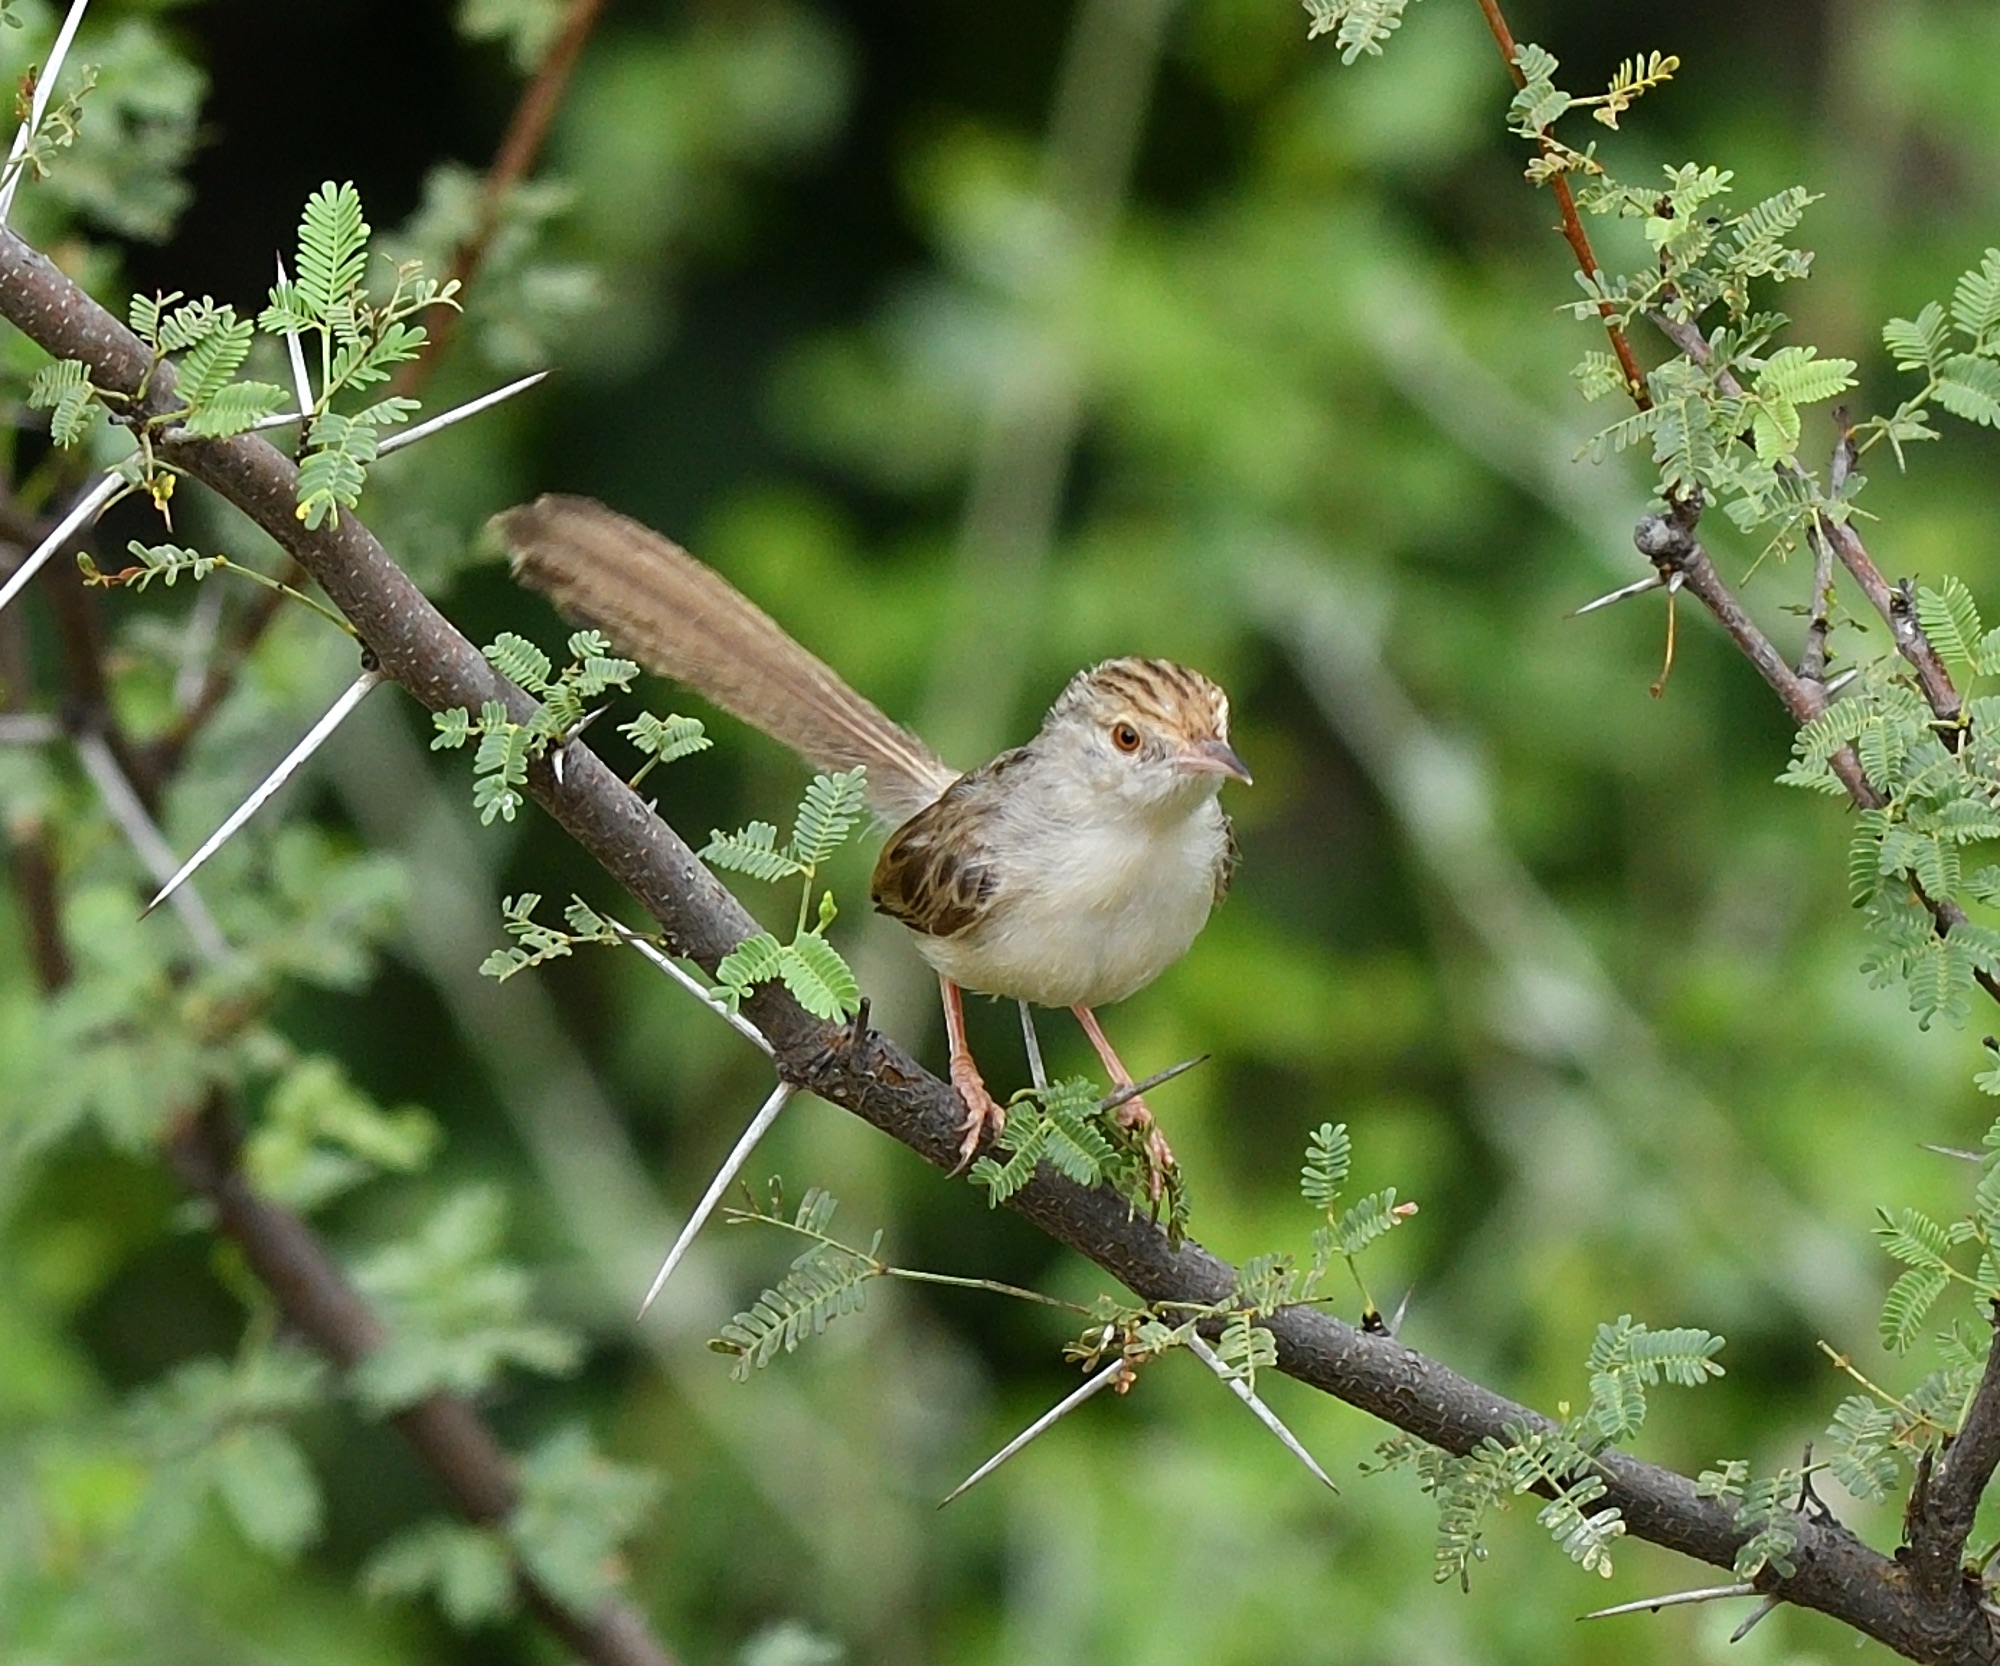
(1975, 303)
(818, 978)
(235, 409)
(825, 1281)
(1969, 387)
(669, 739)
(1329, 1153)
(333, 251)
(1950, 619)
(1919, 343)
(63, 389)
(832, 806)
(470, 1568)
(753, 961)
(753, 851)
(1369, 1219)
(519, 661)
(1357, 26)
(1908, 1303)
(214, 359)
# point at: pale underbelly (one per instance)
(1080, 945)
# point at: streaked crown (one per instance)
(1156, 694)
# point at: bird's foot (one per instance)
(982, 1111)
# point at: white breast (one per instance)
(1111, 905)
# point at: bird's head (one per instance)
(1152, 731)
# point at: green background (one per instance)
(1289, 403)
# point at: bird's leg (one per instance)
(982, 1110)
(1133, 1113)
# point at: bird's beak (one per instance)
(1212, 757)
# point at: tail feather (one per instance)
(685, 621)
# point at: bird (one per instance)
(1067, 872)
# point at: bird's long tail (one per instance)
(685, 621)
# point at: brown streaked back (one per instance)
(683, 620)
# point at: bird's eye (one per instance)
(1124, 737)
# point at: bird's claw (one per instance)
(983, 1113)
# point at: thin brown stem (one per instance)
(520, 146)
(1892, 602)
(30, 852)
(1572, 222)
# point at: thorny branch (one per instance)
(519, 147)
(1891, 602)
(870, 1076)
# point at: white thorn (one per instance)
(1639, 587)
(760, 1125)
(288, 766)
(1834, 685)
(1112, 1373)
(694, 987)
(1037, 1073)
(1198, 1346)
(1674, 583)
(301, 383)
(28, 729)
(1678, 1599)
(458, 413)
(1766, 1607)
(45, 86)
(84, 510)
(145, 839)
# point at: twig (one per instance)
(1887, 600)
(1947, 1494)
(519, 147)
(1572, 222)
(451, 1438)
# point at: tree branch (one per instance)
(1893, 603)
(870, 1076)
(1946, 1497)
(451, 1438)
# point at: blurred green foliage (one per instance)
(977, 343)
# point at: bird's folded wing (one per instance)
(934, 874)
